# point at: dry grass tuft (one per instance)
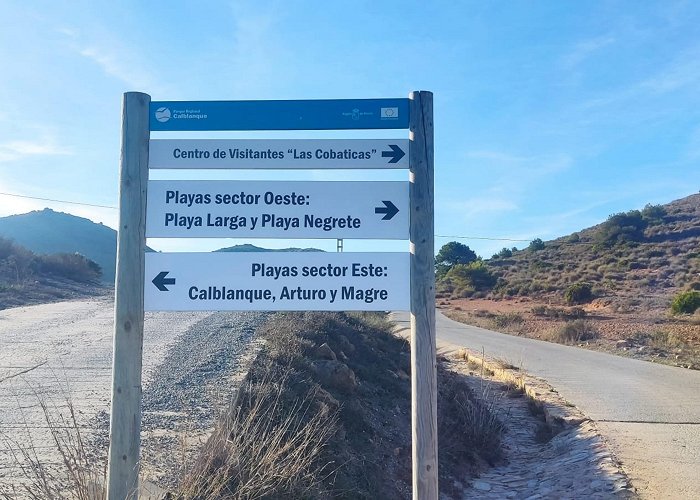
(78, 476)
(268, 447)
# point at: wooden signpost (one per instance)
(342, 281)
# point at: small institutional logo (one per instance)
(163, 114)
(389, 113)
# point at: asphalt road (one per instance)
(649, 413)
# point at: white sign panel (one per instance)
(276, 209)
(278, 153)
(277, 281)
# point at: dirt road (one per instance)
(60, 351)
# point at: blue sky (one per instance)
(549, 115)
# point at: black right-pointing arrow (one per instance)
(160, 281)
(395, 154)
(389, 210)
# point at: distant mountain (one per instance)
(48, 232)
(252, 248)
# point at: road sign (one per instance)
(277, 281)
(276, 209)
(278, 153)
(328, 114)
(289, 281)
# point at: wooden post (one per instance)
(423, 361)
(125, 419)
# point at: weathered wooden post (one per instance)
(125, 418)
(423, 361)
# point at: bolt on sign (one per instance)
(294, 281)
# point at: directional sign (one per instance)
(281, 281)
(275, 209)
(324, 114)
(278, 153)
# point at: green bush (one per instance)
(504, 253)
(74, 266)
(653, 214)
(578, 293)
(622, 228)
(468, 278)
(686, 302)
(535, 245)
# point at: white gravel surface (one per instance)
(67, 348)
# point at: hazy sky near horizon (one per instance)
(549, 115)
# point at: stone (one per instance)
(324, 351)
(335, 374)
(326, 397)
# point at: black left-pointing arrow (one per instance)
(395, 154)
(160, 281)
(389, 210)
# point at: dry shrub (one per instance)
(506, 320)
(574, 331)
(78, 476)
(270, 446)
(473, 417)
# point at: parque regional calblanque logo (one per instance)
(163, 114)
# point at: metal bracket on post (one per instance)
(423, 349)
(125, 417)
(339, 246)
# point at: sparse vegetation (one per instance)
(26, 276)
(272, 443)
(473, 418)
(312, 419)
(79, 475)
(506, 320)
(558, 312)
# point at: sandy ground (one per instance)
(65, 349)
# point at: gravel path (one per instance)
(187, 392)
(189, 362)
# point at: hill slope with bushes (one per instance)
(29, 278)
(641, 258)
(49, 232)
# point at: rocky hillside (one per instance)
(636, 259)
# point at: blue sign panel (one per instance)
(336, 114)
